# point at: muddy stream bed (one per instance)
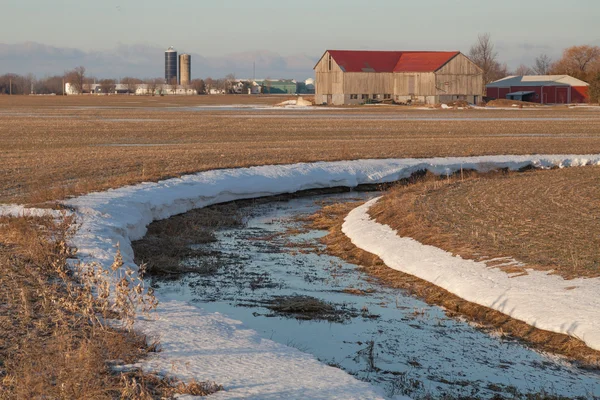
(279, 282)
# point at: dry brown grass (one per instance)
(547, 220)
(51, 148)
(339, 245)
(50, 346)
(511, 103)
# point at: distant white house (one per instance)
(251, 85)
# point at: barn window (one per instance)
(330, 64)
(353, 97)
(365, 96)
(376, 96)
(387, 96)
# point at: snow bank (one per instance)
(545, 301)
(121, 215)
(210, 346)
(299, 102)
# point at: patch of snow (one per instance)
(211, 347)
(15, 210)
(445, 106)
(544, 301)
(118, 216)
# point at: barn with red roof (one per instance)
(358, 77)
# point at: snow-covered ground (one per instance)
(196, 342)
(545, 301)
(210, 346)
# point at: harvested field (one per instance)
(55, 147)
(338, 244)
(546, 220)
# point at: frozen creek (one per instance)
(383, 336)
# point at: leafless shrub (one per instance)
(54, 340)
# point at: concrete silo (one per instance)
(185, 69)
(170, 65)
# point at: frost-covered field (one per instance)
(190, 336)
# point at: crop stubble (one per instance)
(54, 147)
(547, 220)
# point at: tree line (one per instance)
(80, 82)
(581, 62)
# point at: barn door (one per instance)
(329, 99)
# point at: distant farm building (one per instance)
(544, 89)
(278, 86)
(356, 77)
(306, 87)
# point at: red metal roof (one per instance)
(391, 61)
(365, 61)
(423, 61)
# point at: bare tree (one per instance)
(523, 70)
(49, 85)
(198, 85)
(76, 78)
(17, 84)
(483, 54)
(542, 65)
(159, 84)
(131, 84)
(594, 88)
(229, 82)
(107, 86)
(151, 85)
(209, 83)
(582, 62)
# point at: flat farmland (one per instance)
(55, 147)
(546, 219)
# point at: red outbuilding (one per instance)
(544, 89)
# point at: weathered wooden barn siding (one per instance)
(460, 76)
(368, 83)
(329, 82)
(423, 83)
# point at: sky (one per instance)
(520, 29)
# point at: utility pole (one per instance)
(63, 87)
(10, 87)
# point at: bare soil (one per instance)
(545, 219)
(55, 147)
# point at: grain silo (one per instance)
(185, 69)
(170, 65)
